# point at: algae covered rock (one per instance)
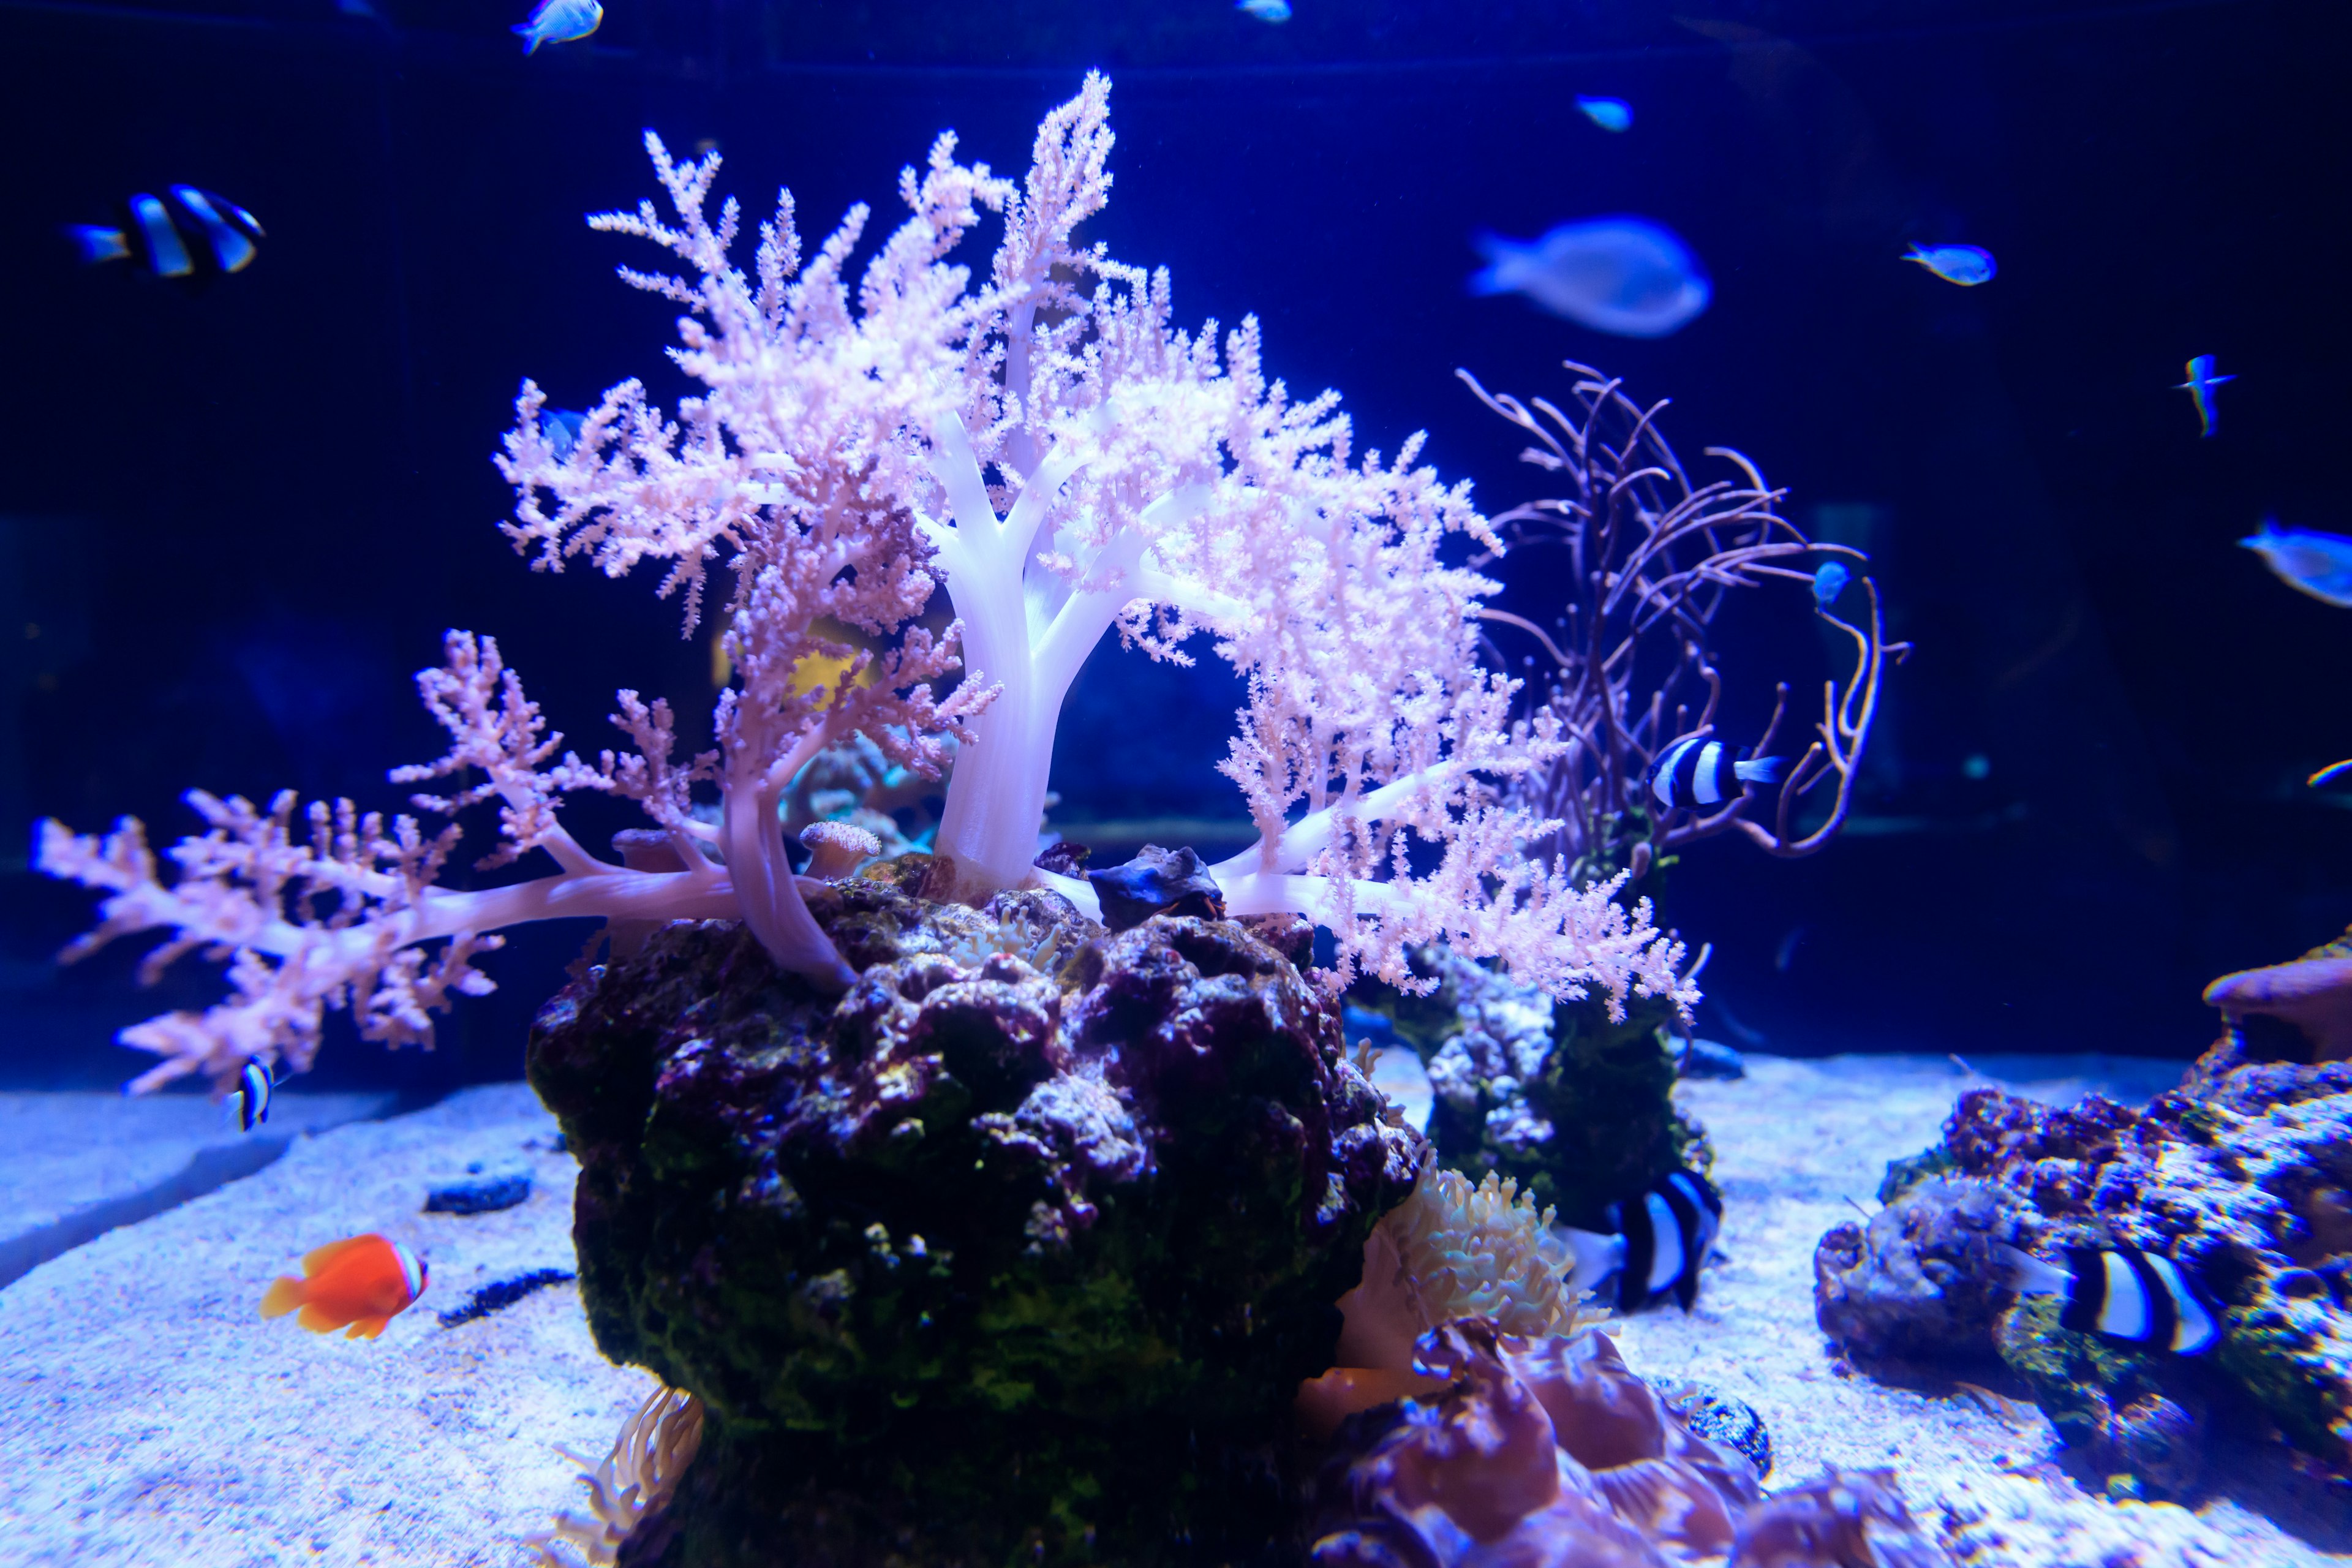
(2135, 1414)
(1920, 1278)
(1017, 1252)
(2243, 1176)
(1576, 1107)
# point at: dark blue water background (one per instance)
(231, 526)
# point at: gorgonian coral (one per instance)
(1651, 559)
(1044, 442)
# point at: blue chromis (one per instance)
(2123, 1294)
(560, 22)
(1965, 265)
(2200, 387)
(1657, 1241)
(1264, 10)
(1696, 771)
(1830, 579)
(2319, 564)
(186, 234)
(1611, 114)
(559, 428)
(1621, 275)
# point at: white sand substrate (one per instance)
(148, 1414)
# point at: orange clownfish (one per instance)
(363, 1280)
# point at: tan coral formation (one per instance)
(1550, 1453)
(637, 1478)
(2313, 993)
(1537, 1451)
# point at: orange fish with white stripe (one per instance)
(363, 1281)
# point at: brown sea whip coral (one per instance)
(1651, 559)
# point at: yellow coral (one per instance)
(1481, 1252)
(637, 1478)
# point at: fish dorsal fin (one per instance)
(319, 1259)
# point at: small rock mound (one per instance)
(981, 1260)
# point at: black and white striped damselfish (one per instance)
(2123, 1294)
(1696, 771)
(1656, 1242)
(251, 1095)
(186, 234)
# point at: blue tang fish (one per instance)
(1264, 10)
(2319, 564)
(560, 22)
(1829, 581)
(1608, 113)
(1965, 265)
(1621, 274)
(2200, 387)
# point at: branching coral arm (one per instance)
(340, 921)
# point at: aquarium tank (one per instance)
(793, 784)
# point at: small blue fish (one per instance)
(560, 428)
(560, 22)
(1608, 113)
(1621, 275)
(1264, 10)
(1830, 579)
(1965, 265)
(2319, 564)
(2200, 387)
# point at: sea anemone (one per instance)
(1480, 1252)
(1449, 1251)
(637, 1478)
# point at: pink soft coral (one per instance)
(838, 454)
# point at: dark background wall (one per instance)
(231, 525)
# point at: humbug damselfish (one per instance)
(1658, 1241)
(2121, 1293)
(1696, 771)
(186, 234)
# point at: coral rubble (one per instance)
(979, 1260)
